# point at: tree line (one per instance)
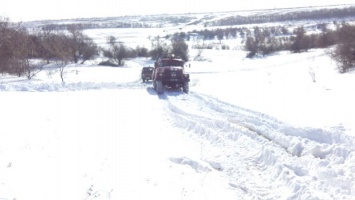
(335, 13)
(148, 21)
(90, 25)
(260, 41)
(343, 40)
(266, 40)
(26, 53)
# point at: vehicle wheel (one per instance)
(143, 80)
(159, 87)
(186, 87)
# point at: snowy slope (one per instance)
(275, 127)
(250, 129)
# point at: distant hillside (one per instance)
(334, 12)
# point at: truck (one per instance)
(169, 72)
(147, 73)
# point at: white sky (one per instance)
(27, 10)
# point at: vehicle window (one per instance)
(176, 63)
(147, 69)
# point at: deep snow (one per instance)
(278, 127)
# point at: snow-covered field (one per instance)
(278, 127)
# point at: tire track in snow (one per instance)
(284, 135)
(239, 141)
(284, 157)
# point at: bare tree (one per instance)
(252, 46)
(88, 50)
(117, 51)
(159, 48)
(61, 46)
(7, 36)
(46, 46)
(81, 46)
(180, 48)
(299, 41)
(75, 39)
(26, 54)
(344, 52)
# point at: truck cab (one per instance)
(169, 72)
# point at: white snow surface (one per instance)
(277, 127)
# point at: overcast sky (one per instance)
(28, 10)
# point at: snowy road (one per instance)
(105, 135)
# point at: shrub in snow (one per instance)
(344, 52)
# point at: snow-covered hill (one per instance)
(275, 127)
(190, 20)
(249, 129)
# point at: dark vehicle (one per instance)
(147, 73)
(169, 72)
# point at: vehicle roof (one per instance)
(179, 59)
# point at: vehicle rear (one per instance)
(169, 72)
(147, 73)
